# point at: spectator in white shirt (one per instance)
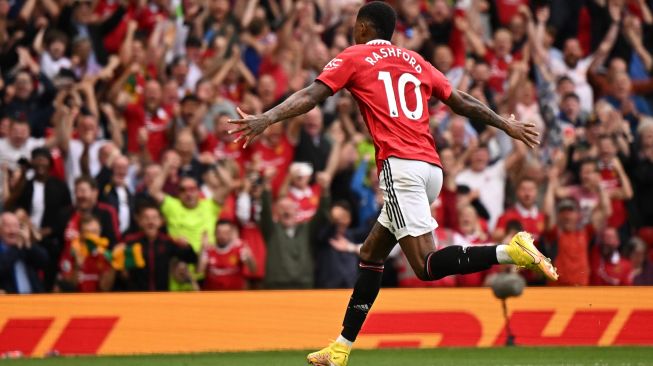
(490, 180)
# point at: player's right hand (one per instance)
(250, 126)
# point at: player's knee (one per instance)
(366, 253)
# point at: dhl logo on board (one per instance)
(246, 321)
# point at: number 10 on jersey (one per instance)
(404, 79)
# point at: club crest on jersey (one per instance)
(333, 64)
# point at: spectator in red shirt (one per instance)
(274, 150)
(499, 57)
(224, 263)
(69, 226)
(91, 268)
(150, 116)
(567, 239)
(615, 180)
(304, 194)
(609, 267)
(525, 211)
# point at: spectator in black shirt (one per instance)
(157, 249)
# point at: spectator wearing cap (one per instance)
(290, 261)
(609, 267)
(20, 257)
(306, 196)
(525, 211)
(157, 251)
(42, 198)
(566, 240)
(190, 216)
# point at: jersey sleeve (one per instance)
(441, 88)
(339, 71)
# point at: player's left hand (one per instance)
(523, 131)
(250, 126)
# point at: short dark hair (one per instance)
(382, 17)
(42, 152)
(21, 120)
(144, 206)
(342, 204)
(88, 218)
(571, 95)
(189, 98)
(225, 222)
(86, 179)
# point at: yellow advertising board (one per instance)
(263, 320)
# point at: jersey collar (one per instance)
(378, 42)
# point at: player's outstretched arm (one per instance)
(298, 103)
(470, 107)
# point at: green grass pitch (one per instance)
(576, 356)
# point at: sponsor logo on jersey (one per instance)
(333, 64)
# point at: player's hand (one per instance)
(523, 131)
(250, 126)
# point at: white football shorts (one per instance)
(409, 187)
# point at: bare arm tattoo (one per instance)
(470, 107)
(299, 103)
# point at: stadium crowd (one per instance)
(119, 174)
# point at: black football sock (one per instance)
(367, 287)
(456, 259)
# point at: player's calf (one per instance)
(457, 259)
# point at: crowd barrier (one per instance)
(113, 324)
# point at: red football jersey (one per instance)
(225, 269)
(392, 86)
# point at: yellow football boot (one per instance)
(336, 354)
(523, 252)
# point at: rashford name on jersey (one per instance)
(393, 52)
(392, 86)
